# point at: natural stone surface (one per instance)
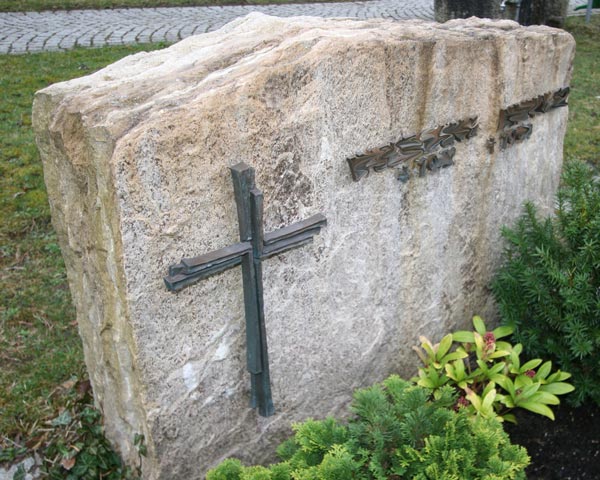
(135, 159)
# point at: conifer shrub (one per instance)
(549, 288)
(398, 430)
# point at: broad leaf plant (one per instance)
(489, 374)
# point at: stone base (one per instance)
(543, 12)
(445, 10)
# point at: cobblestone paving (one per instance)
(61, 30)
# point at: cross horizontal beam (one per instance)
(293, 236)
(191, 270)
(194, 269)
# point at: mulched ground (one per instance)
(565, 449)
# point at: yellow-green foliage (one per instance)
(489, 374)
(398, 431)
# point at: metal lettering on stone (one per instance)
(254, 246)
(429, 151)
(513, 120)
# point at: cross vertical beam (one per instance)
(254, 246)
(249, 203)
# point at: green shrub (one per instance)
(549, 288)
(489, 374)
(397, 431)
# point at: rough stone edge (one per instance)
(48, 138)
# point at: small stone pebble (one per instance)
(30, 465)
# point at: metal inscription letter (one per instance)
(513, 124)
(428, 151)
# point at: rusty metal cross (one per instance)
(253, 248)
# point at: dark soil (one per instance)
(567, 448)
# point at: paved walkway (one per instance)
(61, 30)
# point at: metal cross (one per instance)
(253, 248)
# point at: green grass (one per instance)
(583, 132)
(40, 351)
(39, 5)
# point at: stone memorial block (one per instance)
(391, 152)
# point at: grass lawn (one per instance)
(41, 364)
(41, 360)
(39, 5)
(583, 132)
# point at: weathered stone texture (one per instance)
(135, 158)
